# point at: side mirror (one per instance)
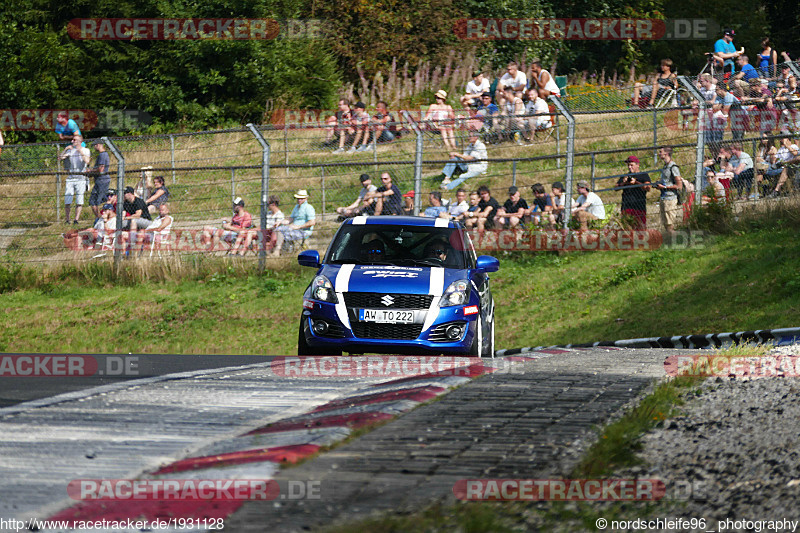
(310, 258)
(487, 263)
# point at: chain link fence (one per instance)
(582, 136)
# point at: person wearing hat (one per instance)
(513, 210)
(440, 118)
(635, 187)
(102, 180)
(364, 204)
(475, 88)
(588, 206)
(472, 162)
(240, 222)
(408, 203)
(111, 198)
(298, 226)
(486, 112)
(726, 51)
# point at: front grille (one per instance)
(371, 330)
(372, 300)
(437, 334)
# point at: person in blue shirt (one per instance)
(436, 208)
(66, 128)
(725, 50)
(741, 80)
(299, 225)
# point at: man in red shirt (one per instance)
(241, 221)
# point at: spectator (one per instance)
(542, 208)
(727, 107)
(474, 200)
(144, 188)
(436, 209)
(160, 228)
(486, 212)
(67, 129)
(514, 109)
(717, 192)
(588, 207)
(475, 89)
(665, 80)
(408, 203)
(385, 127)
(767, 59)
(106, 226)
(635, 186)
(440, 118)
(559, 199)
(669, 184)
(2, 142)
(364, 204)
(360, 121)
(788, 79)
(244, 240)
(487, 112)
(135, 216)
(111, 198)
(387, 197)
(159, 196)
(786, 158)
(299, 225)
(458, 208)
(726, 51)
(471, 163)
(741, 80)
(239, 223)
(339, 127)
(741, 164)
(538, 113)
(513, 78)
(708, 90)
(102, 180)
(543, 80)
(513, 210)
(76, 158)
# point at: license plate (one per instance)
(386, 316)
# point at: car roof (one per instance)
(401, 221)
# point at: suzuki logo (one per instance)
(387, 300)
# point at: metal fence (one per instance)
(583, 138)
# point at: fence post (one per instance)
(58, 185)
(594, 164)
(655, 134)
(233, 184)
(262, 235)
(700, 149)
(172, 155)
(120, 195)
(558, 144)
(514, 173)
(417, 163)
(570, 154)
(324, 196)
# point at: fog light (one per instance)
(454, 332)
(319, 327)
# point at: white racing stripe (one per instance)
(341, 285)
(436, 288)
(359, 220)
(441, 222)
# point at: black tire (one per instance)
(490, 348)
(304, 349)
(475, 348)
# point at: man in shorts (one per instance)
(76, 159)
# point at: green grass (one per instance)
(733, 283)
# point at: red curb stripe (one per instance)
(471, 371)
(417, 394)
(519, 358)
(150, 510)
(553, 351)
(352, 420)
(280, 454)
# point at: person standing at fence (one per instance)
(101, 179)
(669, 184)
(300, 224)
(76, 159)
(471, 163)
(635, 187)
(545, 83)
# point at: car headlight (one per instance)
(322, 289)
(456, 294)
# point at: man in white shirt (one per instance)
(76, 160)
(787, 156)
(588, 207)
(475, 88)
(458, 208)
(472, 162)
(513, 78)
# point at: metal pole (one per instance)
(233, 184)
(417, 164)
(700, 148)
(58, 184)
(570, 154)
(286, 147)
(594, 163)
(514, 173)
(655, 135)
(262, 243)
(324, 194)
(120, 196)
(172, 155)
(558, 144)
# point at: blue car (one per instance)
(401, 285)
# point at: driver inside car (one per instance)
(372, 251)
(436, 249)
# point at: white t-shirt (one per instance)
(478, 151)
(537, 108)
(593, 204)
(785, 154)
(274, 218)
(478, 89)
(457, 209)
(519, 79)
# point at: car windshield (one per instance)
(400, 245)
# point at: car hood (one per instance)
(392, 279)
